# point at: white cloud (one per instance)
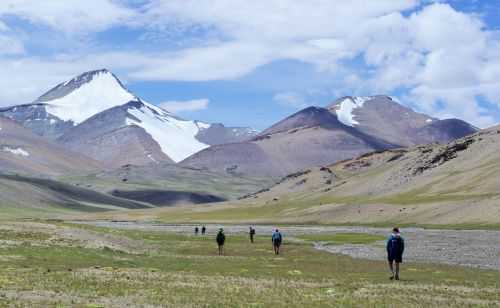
(258, 32)
(182, 106)
(437, 58)
(436, 54)
(69, 16)
(274, 20)
(221, 61)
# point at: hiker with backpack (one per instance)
(252, 234)
(196, 230)
(395, 248)
(203, 230)
(276, 238)
(220, 239)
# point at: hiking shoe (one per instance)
(397, 277)
(391, 278)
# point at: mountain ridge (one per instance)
(316, 136)
(61, 111)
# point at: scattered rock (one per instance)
(444, 155)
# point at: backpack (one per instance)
(220, 238)
(277, 237)
(396, 244)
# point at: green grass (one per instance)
(184, 270)
(229, 187)
(343, 238)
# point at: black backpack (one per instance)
(220, 238)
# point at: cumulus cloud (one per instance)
(443, 61)
(69, 16)
(182, 106)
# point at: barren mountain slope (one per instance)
(311, 137)
(24, 152)
(453, 183)
(317, 136)
(384, 117)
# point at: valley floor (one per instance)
(60, 264)
(474, 248)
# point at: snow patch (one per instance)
(346, 107)
(103, 92)
(203, 125)
(16, 151)
(176, 137)
(428, 120)
(152, 158)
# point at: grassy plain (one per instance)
(59, 265)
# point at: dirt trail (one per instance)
(474, 248)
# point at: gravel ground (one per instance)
(474, 248)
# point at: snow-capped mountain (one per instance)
(85, 95)
(134, 133)
(71, 113)
(386, 118)
(317, 136)
(70, 103)
(82, 100)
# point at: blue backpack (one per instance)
(395, 245)
(277, 237)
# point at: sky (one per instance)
(251, 63)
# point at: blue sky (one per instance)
(251, 63)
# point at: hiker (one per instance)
(276, 239)
(196, 230)
(203, 230)
(395, 249)
(252, 234)
(220, 239)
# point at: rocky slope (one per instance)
(454, 183)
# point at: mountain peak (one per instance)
(85, 95)
(308, 117)
(344, 107)
(66, 87)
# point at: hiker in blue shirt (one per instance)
(276, 238)
(395, 248)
